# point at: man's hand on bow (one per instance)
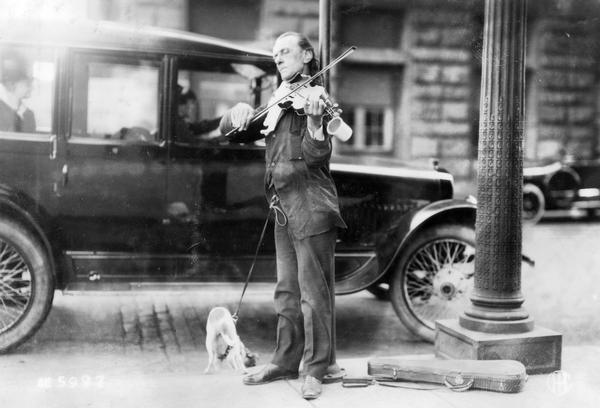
(241, 116)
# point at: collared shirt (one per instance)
(9, 99)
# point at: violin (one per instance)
(296, 98)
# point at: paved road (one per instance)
(562, 291)
(173, 322)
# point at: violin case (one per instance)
(459, 375)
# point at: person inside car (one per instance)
(187, 129)
(15, 87)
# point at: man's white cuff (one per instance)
(318, 134)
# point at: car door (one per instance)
(215, 189)
(112, 198)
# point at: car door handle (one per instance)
(53, 146)
(65, 174)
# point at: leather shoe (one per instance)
(270, 373)
(311, 388)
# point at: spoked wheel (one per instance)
(534, 203)
(433, 278)
(26, 285)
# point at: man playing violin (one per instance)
(299, 185)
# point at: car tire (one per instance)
(433, 277)
(27, 284)
(534, 203)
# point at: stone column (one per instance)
(497, 296)
(496, 326)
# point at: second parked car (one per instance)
(561, 185)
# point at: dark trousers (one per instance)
(303, 301)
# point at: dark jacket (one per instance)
(297, 170)
(10, 121)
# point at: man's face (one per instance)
(22, 89)
(289, 57)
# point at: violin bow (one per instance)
(301, 85)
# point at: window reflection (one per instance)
(116, 100)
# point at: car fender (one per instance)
(558, 182)
(391, 243)
(562, 186)
(393, 239)
(23, 209)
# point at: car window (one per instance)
(27, 76)
(205, 92)
(115, 99)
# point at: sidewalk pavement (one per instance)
(126, 381)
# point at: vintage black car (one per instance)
(561, 185)
(123, 181)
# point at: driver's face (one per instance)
(289, 57)
(23, 89)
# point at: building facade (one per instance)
(411, 90)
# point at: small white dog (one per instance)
(223, 343)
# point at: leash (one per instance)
(280, 219)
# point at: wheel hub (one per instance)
(450, 282)
(447, 289)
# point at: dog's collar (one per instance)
(224, 355)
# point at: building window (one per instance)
(372, 128)
(233, 19)
(369, 99)
(369, 84)
(370, 27)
